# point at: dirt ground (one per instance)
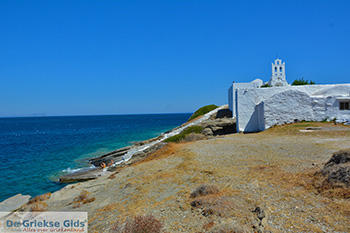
(264, 182)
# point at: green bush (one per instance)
(179, 137)
(301, 81)
(265, 85)
(202, 111)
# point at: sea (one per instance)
(35, 151)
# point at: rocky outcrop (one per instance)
(82, 175)
(337, 169)
(222, 113)
(219, 126)
(105, 161)
(13, 203)
(108, 158)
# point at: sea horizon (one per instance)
(36, 150)
(87, 115)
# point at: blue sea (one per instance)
(35, 150)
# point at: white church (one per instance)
(257, 108)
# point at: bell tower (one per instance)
(278, 77)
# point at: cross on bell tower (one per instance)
(278, 77)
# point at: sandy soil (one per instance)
(270, 170)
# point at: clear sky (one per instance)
(115, 57)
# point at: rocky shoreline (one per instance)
(217, 122)
(258, 182)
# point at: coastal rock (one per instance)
(219, 126)
(337, 169)
(108, 158)
(208, 131)
(13, 203)
(81, 175)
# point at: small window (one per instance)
(344, 105)
(280, 69)
(275, 69)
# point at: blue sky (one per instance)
(116, 57)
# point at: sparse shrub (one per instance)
(207, 212)
(139, 224)
(220, 206)
(38, 206)
(265, 85)
(204, 190)
(89, 200)
(83, 198)
(196, 203)
(38, 203)
(203, 110)
(209, 201)
(301, 81)
(40, 198)
(179, 137)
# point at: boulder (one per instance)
(81, 175)
(337, 169)
(219, 126)
(208, 132)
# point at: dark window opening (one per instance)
(344, 105)
(275, 69)
(280, 69)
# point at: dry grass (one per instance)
(315, 191)
(38, 203)
(83, 198)
(164, 152)
(294, 129)
(139, 224)
(269, 169)
(311, 180)
(39, 198)
(220, 206)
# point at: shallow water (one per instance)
(34, 150)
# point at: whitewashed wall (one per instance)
(231, 100)
(231, 92)
(288, 106)
(260, 108)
